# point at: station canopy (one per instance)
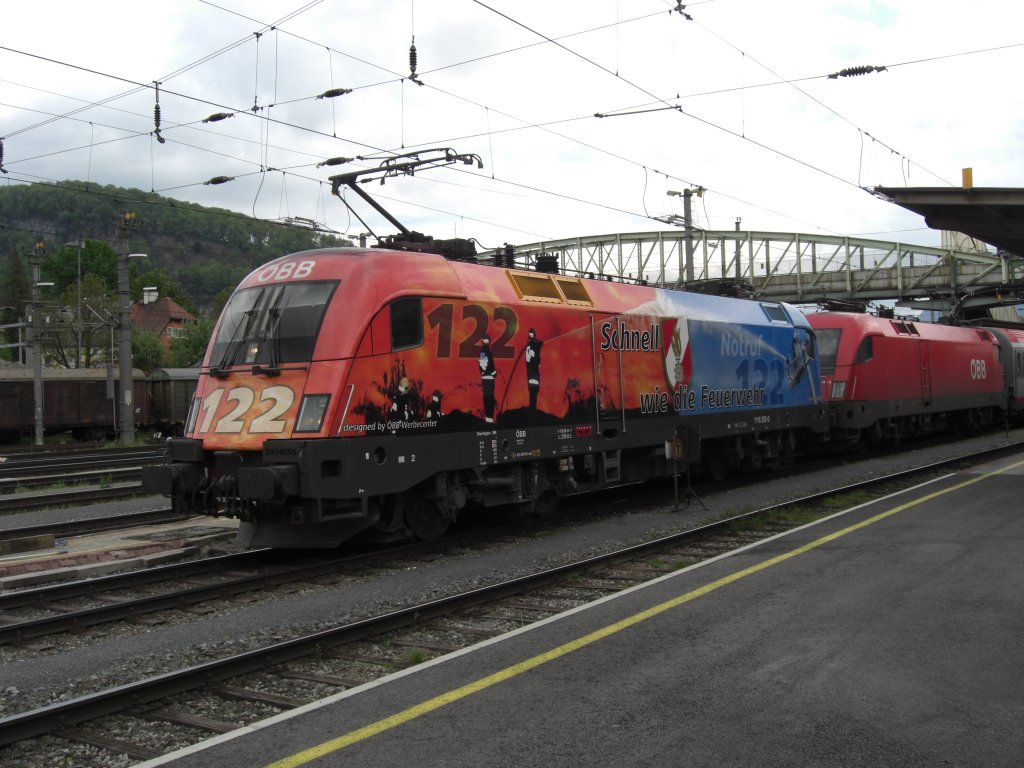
(989, 214)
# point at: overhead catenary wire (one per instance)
(490, 133)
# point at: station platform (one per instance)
(887, 634)
(79, 557)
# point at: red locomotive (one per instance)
(353, 389)
(1011, 353)
(887, 378)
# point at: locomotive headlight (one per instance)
(311, 413)
(838, 390)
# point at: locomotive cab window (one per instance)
(272, 324)
(866, 350)
(828, 348)
(406, 323)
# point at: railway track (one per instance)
(77, 605)
(66, 528)
(292, 672)
(33, 480)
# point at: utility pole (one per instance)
(126, 224)
(688, 231)
(36, 344)
(686, 194)
(80, 245)
(739, 250)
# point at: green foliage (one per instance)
(204, 249)
(197, 256)
(220, 300)
(147, 351)
(165, 284)
(15, 291)
(210, 279)
(189, 346)
(97, 258)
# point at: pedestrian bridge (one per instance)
(792, 267)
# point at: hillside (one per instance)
(205, 249)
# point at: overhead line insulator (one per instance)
(156, 115)
(334, 92)
(413, 58)
(334, 161)
(856, 71)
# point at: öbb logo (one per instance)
(978, 369)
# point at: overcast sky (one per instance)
(736, 100)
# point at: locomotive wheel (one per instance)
(546, 505)
(716, 464)
(424, 518)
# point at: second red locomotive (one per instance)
(888, 378)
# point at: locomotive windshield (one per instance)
(271, 325)
(828, 348)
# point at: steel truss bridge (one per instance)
(793, 267)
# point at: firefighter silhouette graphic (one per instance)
(434, 408)
(400, 405)
(532, 357)
(487, 374)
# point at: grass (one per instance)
(415, 656)
(35, 488)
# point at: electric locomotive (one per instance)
(887, 378)
(1011, 353)
(380, 391)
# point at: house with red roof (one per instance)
(160, 315)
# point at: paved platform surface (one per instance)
(888, 635)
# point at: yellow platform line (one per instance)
(435, 703)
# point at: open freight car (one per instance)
(76, 400)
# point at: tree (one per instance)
(17, 291)
(189, 346)
(165, 285)
(99, 315)
(217, 245)
(147, 350)
(220, 300)
(97, 258)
